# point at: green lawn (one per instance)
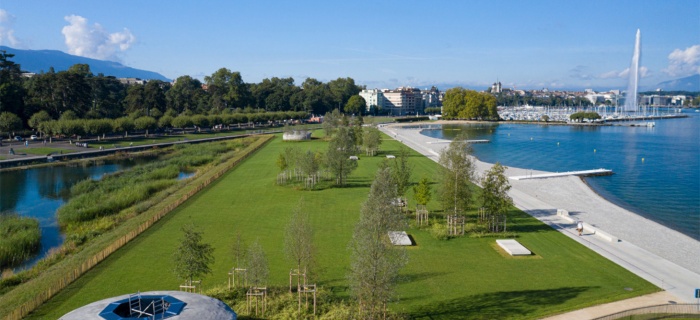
(459, 278)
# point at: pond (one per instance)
(39, 192)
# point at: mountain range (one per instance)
(38, 61)
(691, 83)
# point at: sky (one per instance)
(380, 44)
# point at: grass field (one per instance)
(43, 151)
(459, 278)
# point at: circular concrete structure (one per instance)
(179, 306)
(296, 135)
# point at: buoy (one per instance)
(594, 150)
(642, 159)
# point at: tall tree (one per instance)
(9, 122)
(494, 190)
(375, 263)
(11, 89)
(192, 257)
(341, 90)
(154, 96)
(401, 171)
(257, 270)
(340, 148)
(298, 243)
(185, 95)
(371, 140)
(227, 90)
(331, 122)
(456, 170)
(355, 105)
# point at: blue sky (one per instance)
(383, 44)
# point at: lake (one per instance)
(657, 169)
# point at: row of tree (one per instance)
(92, 96)
(69, 125)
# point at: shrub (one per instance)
(439, 231)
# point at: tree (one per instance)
(375, 261)
(227, 90)
(11, 89)
(401, 171)
(494, 190)
(340, 148)
(460, 103)
(185, 95)
(257, 271)
(456, 170)
(422, 191)
(371, 140)
(298, 243)
(356, 105)
(38, 118)
(331, 122)
(9, 122)
(192, 257)
(145, 123)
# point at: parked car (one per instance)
(33, 137)
(18, 138)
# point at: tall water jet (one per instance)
(632, 86)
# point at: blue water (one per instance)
(657, 169)
(39, 192)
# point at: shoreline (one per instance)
(662, 256)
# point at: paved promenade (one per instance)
(662, 256)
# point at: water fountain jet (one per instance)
(633, 85)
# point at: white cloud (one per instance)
(643, 73)
(7, 34)
(684, 62)
(93, 41)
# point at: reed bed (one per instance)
(19, 239)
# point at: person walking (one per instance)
(579, 227)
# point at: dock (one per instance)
(583, 173)
(467, 141)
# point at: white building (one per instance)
(373, 97)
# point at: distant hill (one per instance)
(38, 61)
(691, 83)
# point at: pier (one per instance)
(583, 173)
(467, 141)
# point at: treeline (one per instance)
(460, 103)
(67, 126)
(88, 96)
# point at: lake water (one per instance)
(657, 169)
(39, 192)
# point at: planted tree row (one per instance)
(68, 126)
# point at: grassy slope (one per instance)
(458, 278)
